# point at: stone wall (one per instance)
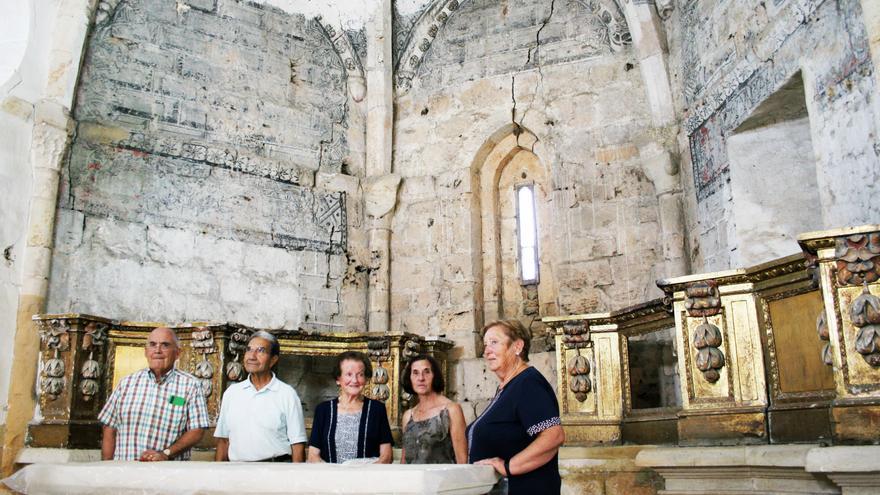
(207, 179)
(729, 57)
(580, 97)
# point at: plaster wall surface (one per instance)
(15, 27)
(726, 58)
(770, 215)
(205, 180)
(586, 106)
(15, 188)
(24, 54)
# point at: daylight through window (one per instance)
(527, 233)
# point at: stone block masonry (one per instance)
(731, 57)
(190, 188)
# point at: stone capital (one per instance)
(380, 194)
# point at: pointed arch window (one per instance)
(527, 234)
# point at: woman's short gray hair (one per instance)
(273, 342)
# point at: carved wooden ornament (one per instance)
(579, 383)
(858, 259)
(710, 359)
(865, 315)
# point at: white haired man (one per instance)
(157, 413)
(261, 418)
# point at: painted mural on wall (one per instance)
(728, 58)
(228, 111)
(189, 193)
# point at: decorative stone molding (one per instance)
(380, 195)
(617, 33)
(865, 315)
(351, 62)
(712, 97)
(664, 8)
(858, 259)
(435, 16)
(105, 11)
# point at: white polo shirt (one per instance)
(260, 424)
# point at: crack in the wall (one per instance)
(327, 254)
(534, 51)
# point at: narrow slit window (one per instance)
(527, 234)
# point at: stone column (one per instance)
(380, 186)
(380, 195)
(51, 136)
(660, 161)
(661, 167)
(648, 38)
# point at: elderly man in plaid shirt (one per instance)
(157, 413)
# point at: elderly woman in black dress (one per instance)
(519, 433)
(433, 430)
(350, 426)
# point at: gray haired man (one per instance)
(261, 418)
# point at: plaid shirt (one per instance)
(150, 415)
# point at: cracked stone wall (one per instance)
(585, 103)
(726, 58)
(207, 179)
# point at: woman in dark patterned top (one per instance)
(433, 430)
(519, 433)
(351, 426)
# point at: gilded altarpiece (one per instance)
(593, 375)
(83, 357)
(848, 264)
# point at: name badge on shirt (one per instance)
(177, 400)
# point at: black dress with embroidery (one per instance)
(525, 407)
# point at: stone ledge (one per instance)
(740, 470)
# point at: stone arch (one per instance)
(508, 156)
(351, 61)
(435, 16)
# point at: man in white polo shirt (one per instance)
(261, 418)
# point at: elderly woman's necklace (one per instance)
(519, 368)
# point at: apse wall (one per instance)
(726, 60)
(210, 174)
(559, 80)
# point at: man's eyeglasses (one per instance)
(160, 345)
(257, 350)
